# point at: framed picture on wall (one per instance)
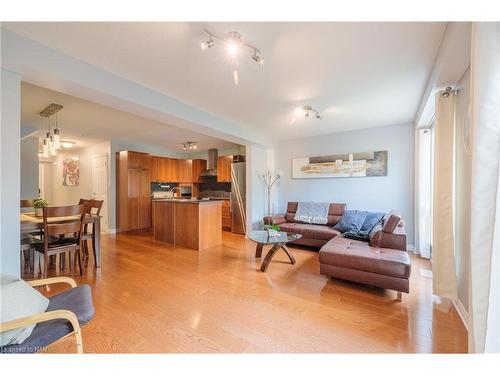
(71, 172)
(359, 164)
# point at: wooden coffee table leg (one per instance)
(289, 253)
(258, 250)
(269, 257)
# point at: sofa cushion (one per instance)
(371, 219)
(335, 212)
(77, 300)
(312, 231)
(357, 255)
(18, 299)
(352, 220)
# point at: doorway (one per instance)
(99, 185)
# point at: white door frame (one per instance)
(104, 226)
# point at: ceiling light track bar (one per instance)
(233, 36)
(51, 110)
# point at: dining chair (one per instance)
(64, 236)
(29, 240)
(93, 206)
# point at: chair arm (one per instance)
(46, 316)
(274, 220)
(53, 280)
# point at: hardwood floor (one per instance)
(155, 298)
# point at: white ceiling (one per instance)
(358, 75)
(88, 123)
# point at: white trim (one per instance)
(410, 247)
(462, 312)
(111, 231)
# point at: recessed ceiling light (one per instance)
(68, 144)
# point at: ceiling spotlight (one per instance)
(305, 111)
(189, 145)
(236, 77)
(257, 58)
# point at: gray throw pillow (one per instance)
(352, 220)
(371, 219)
(17, 300)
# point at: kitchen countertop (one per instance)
(196, 201)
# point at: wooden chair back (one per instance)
(93, 206)
(27, 203)
(74, 224)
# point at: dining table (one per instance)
(30, 223)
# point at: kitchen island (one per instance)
(195, 224)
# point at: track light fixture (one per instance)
(208, 43)
(306, 111)
(190, 145)
(233, 41)
(310, 111)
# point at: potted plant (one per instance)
(38, 205)
(272, 229)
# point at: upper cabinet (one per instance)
(154, 169)
(185, 170)
(199, 166)
(168, 169)
(224, 168)
(138, 160)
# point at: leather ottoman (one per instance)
(360, 262)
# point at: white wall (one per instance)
(394, 191)
(29, 168)
(462, 193)
(10, 98)
(256, 162)
(67, 195)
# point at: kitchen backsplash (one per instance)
(211, 188)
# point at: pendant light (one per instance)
(57, 137)
(52, 141)
(45, 148)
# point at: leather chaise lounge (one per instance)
(382, 262)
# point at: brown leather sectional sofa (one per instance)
(382, 262)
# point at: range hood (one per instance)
(211, 164)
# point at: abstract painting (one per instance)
(359, 164)
(71, 172)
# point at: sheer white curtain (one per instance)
(485, 104)
(444, 281)
(424, 192)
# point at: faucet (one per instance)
(171, 192)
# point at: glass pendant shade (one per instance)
(45, 149)
(52, 149)
(57, 139)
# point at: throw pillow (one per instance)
(17, 300)
(371, 219)
(352, 220)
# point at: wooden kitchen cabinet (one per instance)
(168, 169)
(199, 166)
(224, 168)
(154, 169)
(138, 160)
(133, 191)
(226, 215)
(185, 170)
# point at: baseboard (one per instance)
(111, 231)
(410, 247)
(462, 312)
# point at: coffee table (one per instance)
(279, 241)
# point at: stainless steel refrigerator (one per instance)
(238, 197)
